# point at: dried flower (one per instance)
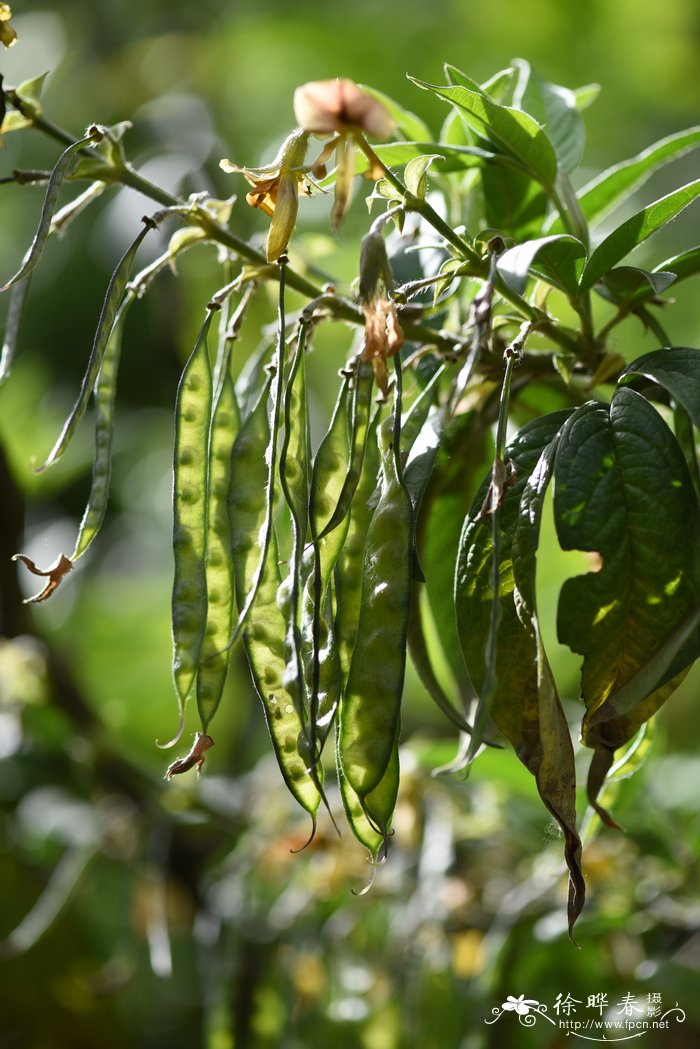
(325, 107)
(339, 107)
(383, 338)
(383, 334)
(60, 568)
(276, 189)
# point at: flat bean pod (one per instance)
(361, 412)
(321, 660)
(105, 397)
(190, 485)
(112, 301)
(215, 653)
(370, 820)
(348, 570)
(53, 188)
(18, 298)
(295, 458)
(256, 573)
(370, 711)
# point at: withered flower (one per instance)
(383, 334)
(276, 188)
(342, 109)
(327, 107)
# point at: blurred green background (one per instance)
(137, 914)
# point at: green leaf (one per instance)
(623, 492)
(514, 204)
(630, 285)
(603, 193)
(416, 174)
(560, 261)
(586, 95)
(448, 157)
(555, 109)
(687, 264)
(408, 124)
(677, 370)
(635, 230)
(525, 706)
(515, 133)
(497, 87)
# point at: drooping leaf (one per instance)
(558, 259)
(514, 133)
(623, 492)
(635, 230)
(687, 264)
(525, 705)
(555, 109)
(631, 286)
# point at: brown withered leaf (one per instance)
(196, 756)
(54, 574)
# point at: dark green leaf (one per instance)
(677, 370)
(525, 705)
(623, 492)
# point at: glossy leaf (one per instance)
(635, 230)
(555, 109)
(677, 370)
(623, 492)
(687, 264)
(515, 133)
(558, 259)
(605, 191)
(631, 285)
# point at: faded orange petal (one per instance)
(284, 217)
